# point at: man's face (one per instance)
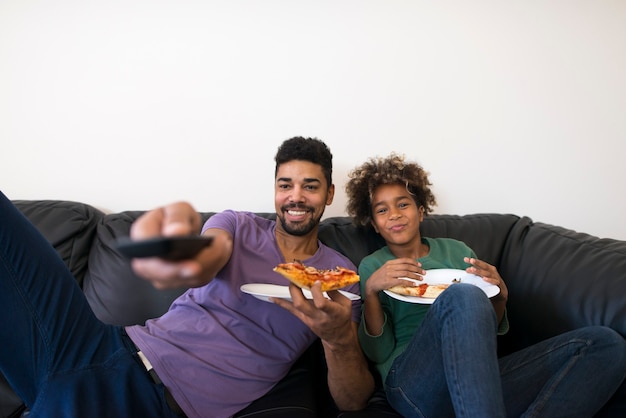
(300, 196)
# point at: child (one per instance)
(441, 360)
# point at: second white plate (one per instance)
(445, 276)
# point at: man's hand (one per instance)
(174, 219)
(330, 319)
(349, 379)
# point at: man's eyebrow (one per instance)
(312, 180)
(306, 180)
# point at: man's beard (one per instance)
(299, 229)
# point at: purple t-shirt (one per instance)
(218, 349)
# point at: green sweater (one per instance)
(402, 318)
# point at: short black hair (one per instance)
(306, 149)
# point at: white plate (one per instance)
(264, 291)
(445, 276)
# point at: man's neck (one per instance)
(296, 247)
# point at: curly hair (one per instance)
(306, 149)
(377, 171)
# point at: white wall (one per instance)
(513, 106)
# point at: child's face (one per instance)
(395, 215)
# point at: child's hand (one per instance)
(393, 273)
(489, 274)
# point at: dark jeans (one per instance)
(57, 356)
(450, 368)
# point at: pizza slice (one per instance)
(424, 290)
(305, 276)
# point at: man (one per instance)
(217, 349)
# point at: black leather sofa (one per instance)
(558, 279)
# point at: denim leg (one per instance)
(450, 367)
(54, 352)
(40, 304)
(115, 386)
(557, 378)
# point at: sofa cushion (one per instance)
(352, 241)
(485, 233)
(116, 294)
(10, 404)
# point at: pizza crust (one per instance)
(424, 290)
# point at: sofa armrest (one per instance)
(560, 279)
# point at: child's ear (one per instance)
(374, 226)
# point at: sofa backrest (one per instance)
(69, 226)
(558, 279)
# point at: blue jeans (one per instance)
(58, 357)
(450, 367)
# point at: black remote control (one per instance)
(169, 248)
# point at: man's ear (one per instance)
(330, 195)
